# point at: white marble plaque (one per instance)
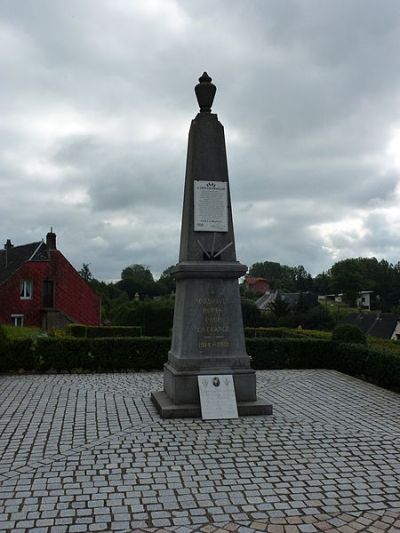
(217, 397)
(210, 206)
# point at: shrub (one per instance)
(251, 314)
(64, 353)
(76, 330)
(383, 368)
(274, 353)
(18, 354)
(3, 342)
(142, 353)
(290, 333)
(92, 332)
(3, 335)
(270, 333)
(102, 354)
(155, 317)
(351, 358)
(349, 333)
(130, 354)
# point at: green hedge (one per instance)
(378, 366)
(349, 333)
(102, 354)
(269, 353)
(155, 317)
(150, 353)
(76, 330)
(18, 354)
(287, 333)
(93, 332)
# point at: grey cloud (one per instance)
(308, 94)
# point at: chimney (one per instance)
(7, 247)
(51, 240)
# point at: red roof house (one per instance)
(257, 285)
(39, 287)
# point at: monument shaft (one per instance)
(208, 336)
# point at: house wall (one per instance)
(72, 294)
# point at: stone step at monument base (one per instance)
(167, 409)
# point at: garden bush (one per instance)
(274, 353)
(154, 317)
(18, 354)
(290, 333)
(102, 354)
(251, 314)
(271, 332)
(383, 368)
(76, 330)
(3, 337)
(349, 333)
(145, 353)
(65, 354)
(92, 332)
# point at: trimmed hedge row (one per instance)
(93, 332)
(269, 353)
(150, 353)
(102, 354)
(287, 333)
(18, 354)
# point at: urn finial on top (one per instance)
(205, 92)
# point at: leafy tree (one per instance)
(155, 317)
(252, 316)
(139, 273)
(137, 279)
(279, 307)
(302, 305)
(303, 280)
(291, 279)
(85, 272)
(322, 283)
(276, 274)
(167, 282)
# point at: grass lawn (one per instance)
(21, 333)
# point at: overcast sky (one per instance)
(96, 99)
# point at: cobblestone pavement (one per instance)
(89, 453)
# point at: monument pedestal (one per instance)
(168, 409)
(207, 335)
(207, 340)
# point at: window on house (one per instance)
(25, 292)
(17, 320)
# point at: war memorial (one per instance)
(208, 336)
(84, 452)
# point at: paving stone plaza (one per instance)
(90, 453)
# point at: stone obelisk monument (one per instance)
(208, 336)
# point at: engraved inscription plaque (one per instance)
(217, 397)
(213, 330)
(210, 206)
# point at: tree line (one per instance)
(138, 298)
(347, 277)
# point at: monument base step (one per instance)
(167, 409)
